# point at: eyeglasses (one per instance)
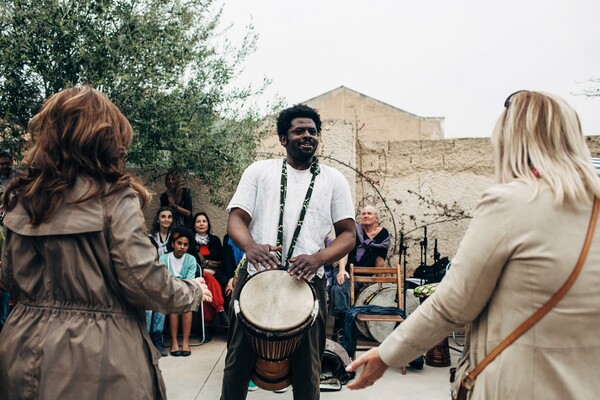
(509, 99)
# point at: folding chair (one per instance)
(377, 275)
(201, 315)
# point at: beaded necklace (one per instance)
(315, 169)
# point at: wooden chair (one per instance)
(377, 275)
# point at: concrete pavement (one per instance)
(199, 376)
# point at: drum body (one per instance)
(439, 356)
(381, 294)
(275, 310)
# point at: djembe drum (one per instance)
(438, 356)
(275, 310)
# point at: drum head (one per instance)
(363, 299)
(275, 301)
(386, 297)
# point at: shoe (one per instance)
(176, 353)
(223, 319)
(163, 352)
(281, 390)
(252, 387)
(186, 353)
(330, 384)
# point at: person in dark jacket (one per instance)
(209, 252)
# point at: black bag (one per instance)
(432, 273)
(334, 363)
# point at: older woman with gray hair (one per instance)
(370, 250)
(520, 265)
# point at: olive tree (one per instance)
(167, 64)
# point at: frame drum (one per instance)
(364, 298)
(381, 294)
(275, 310)
(386, 297)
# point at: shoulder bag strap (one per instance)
(471, 375)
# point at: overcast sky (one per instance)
(437, 58)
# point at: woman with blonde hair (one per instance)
(522, 246)
(77, 254)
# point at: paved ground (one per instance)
(199, 376)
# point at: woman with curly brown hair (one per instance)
(77, 253)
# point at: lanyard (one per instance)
(314, 169)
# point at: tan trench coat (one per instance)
(84, 279)
(515, 255)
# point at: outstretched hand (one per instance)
(374, 368)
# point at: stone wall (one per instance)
(434, 183)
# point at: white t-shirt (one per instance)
(258, 194)
(176, 264)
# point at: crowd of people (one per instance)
(95, 286)
(187, 247)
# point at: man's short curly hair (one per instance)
(284, 121)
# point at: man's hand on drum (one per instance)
(341, 276)
(263, 255)
(374, 368)
(303, 266)
(206, 294)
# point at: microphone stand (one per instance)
(423, 244)
(403, 250)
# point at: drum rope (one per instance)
(314, 169)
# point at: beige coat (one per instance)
(515, 255)
(84, 279)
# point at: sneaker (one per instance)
(252, 387)
(223, 319)
(281, 390)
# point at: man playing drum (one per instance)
(287, 206)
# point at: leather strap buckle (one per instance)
(468, 382)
